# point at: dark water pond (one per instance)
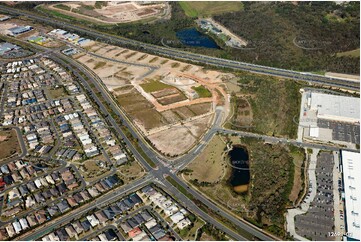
(239, 161)
(192, 37)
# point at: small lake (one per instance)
(239, 161)
(192, 37)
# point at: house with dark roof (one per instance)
(132, 223)
(62, 234)
(54, 192)
(53, 210)
(122, 206)
(86, 225)
(31, 186)
(109, 213)
(47, 194)
(39, 197)
(61, 188)
(23, 190)
(111, 235)
(139, 218)
(115, 209)
(136, 199)
(63, 206)
(78, 198)
(129, 202)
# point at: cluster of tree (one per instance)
(272, 172)
(303, 36)
(212, 231)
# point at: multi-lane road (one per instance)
(162, 168)
(188, 56)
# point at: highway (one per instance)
(162, 168)
(188, 56)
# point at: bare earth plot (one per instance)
(112, 12)
(169, 103)
(9, 144)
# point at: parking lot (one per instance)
(319, 220)
(342, 131)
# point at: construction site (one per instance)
(170, 102)
(112, 12)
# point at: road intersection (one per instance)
(87, 78)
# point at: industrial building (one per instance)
(5, 47)
(351, 170)
(335, 107)
(330, 118)
(19, 30)
(4, 17)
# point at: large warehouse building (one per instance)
(351, 168)
(335, 107)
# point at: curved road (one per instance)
(188, 56)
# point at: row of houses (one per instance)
(93, 220)
(100, 129)
(37, 191)
(171, 209)
(58, 208)
(16, 172)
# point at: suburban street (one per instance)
(164, 167)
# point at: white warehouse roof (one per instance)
(351, 176)
(334, 107)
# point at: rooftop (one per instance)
(335, 107)
(351, 177)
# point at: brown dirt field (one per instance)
(209, 165)
(170, 116)
(184, 112)
(129, 172)
(200, 108)
(171, 99)
(9, 144)
(164, 92)
(114, 12)
(149, 118)
(297, 181)
(179, 139)
(206, 237)
(244, 113)
(166, 142)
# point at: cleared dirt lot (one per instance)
(156, 94)
(9, 144)
(111, 12)
(178, 139)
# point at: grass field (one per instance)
(9, 144)
(351, 53)
(153, 86)
(202, 91)
(208, 166)
(206, 9)
(57, 92)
